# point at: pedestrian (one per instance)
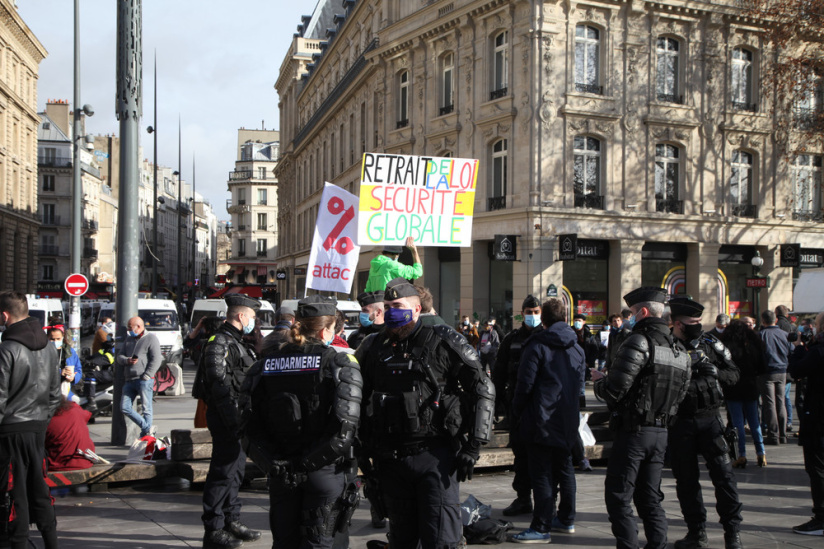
(226, 360)
(771, 384)
(386, 266)
(340, 329)
(807, 366)
(429, 316)
(488, 345)
(140, 358)
(195, 341)
(505, 376)
(370, 317)
(641, 407)
(469, 331)
(29, 396)
(781, 319)
(284, 318)
(105, 332)
(547, 418)
(422, 434)
(747, 351)
(304, 407)
(699, 430)
(618, 332)
(721, 323)
(71, 371)
(68, 444)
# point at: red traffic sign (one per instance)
(76, 285)
(757, 282)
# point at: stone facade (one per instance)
(639, 127)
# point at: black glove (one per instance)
(283, 472)
(465, 461)
(705, 369)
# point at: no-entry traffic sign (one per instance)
(76, 285)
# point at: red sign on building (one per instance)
(757, 282)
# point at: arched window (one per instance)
(588, 59)
(497, 195)
(587, 172)
(667, 78)
(742, 80)
(403, 99)
(741, 184)
(667, 178)
(500, 65)
(447, 84)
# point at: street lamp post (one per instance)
(757, 262)
(153, 130)
(194, 233)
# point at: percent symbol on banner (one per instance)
(343, 245)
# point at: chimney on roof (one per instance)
(58, 111)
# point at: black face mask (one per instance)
(692, 331)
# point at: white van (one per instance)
(217, 307)
(49, 311)
(350, 309)
(160, 318)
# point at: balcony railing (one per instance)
(742, 106)
(744, 210)
(53, 250)
(89, 253)
(446, 110)
(52, 221)
(90, 224)
(591, 201)
(497, 94)
(261, 253)
(241, 253)
(808, 215)
(240, 175)
(670, 98)
(402, 123)
(54, 161)
(241, 227)
(496, 203)
(807, 119)
(589, 88)
(669, 205)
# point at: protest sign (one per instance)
(429, 198)
(334, 258)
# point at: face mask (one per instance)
(720, 330)
(249, 327)
(130, 333)
(466, 323)
(365, 320)
(58, 344)
(395, 318)
(532, 320)
(692, 331)
(578, 324)
(631, 322)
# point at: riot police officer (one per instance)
(371, 317)
(226, 361)
(505, 376)
(698, 429)
(643, 388)
(299, 425)
(417, 381)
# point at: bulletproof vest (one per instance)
(297, 401)
(704, 393)
(662, 383)
(408, 400)
(238, 371)
(514, 360)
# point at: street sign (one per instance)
(757, 282)
(552, 291)
(76, 285)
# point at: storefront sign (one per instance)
(505, 247)
(552, 291)
(812, 257)
(300, 271)
(740, 308)
(791, 255)
(430, 199)
(758, 282)
(281, 274)
(595, 310)
(567, 247)
(593, 249)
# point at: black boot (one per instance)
(241, 531)
(377, 520)
(696, 537)
(732, 540)
(220, 539)
(521, 506)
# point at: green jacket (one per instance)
(384, 269)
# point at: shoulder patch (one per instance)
(211, 339)
(351, 358)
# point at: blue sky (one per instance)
(217, 63)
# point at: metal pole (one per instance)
(179, 221)
(154, 204)
(194, 234)
(129, 110)
(77, 186)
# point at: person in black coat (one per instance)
(545, 408)
(807, 367)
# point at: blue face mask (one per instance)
(578, 324)
(395, 318)
(249, 327)
(364, 319)
(58, 344)
(130, 333)
(532, 320)
(631, 322)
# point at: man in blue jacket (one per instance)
(545, 409)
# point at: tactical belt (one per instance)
(403, 451)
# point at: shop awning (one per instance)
(261, 270)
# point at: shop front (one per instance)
(735, 264)
(586, 281)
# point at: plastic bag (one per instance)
(586, 433)
(148, 448)
(473, 510)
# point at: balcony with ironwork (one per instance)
(669, 205)
(241, 253)
(53, 221)
(808, 215)
(89, 253)
(52, 161)
(497, 94)
(744, 106)
(449, 109)
(241, 227)
(52, 251)
(261, 253)
(590, 201)
(805, 119)
(495, 203)
(744, 210)
(90, 225)
(671, 98)
(240, 175)
(402, 123)
(589, 88)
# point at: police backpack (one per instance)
(486, 532)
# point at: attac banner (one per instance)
(428, 198)
(334, 258)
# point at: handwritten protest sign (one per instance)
(334, 257)
(429, 198)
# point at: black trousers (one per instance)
(521, 482)
(703, 435)
(814, 465)
(300, 517)
(221, 503)
(422, 494)
(22, 475)
(551, 471)
(634, 475)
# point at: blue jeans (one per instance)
(788, 402)
(739, 411)
(131, 389)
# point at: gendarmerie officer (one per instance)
(505, 376)
(371, 317)
(698, 429)
(643, 388)
(417, 381)
(226, 361)
(304, 406)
